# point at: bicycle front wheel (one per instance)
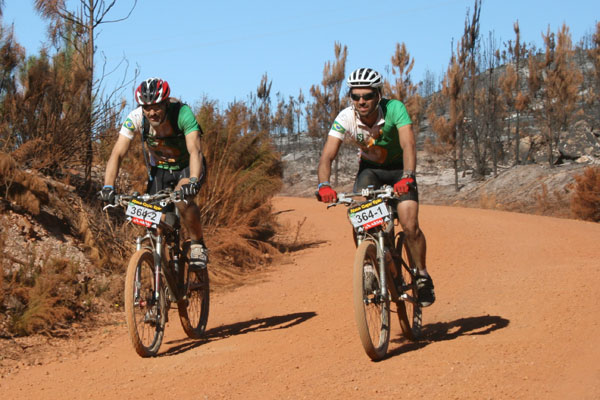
(409, 308)
(145, 312)
(193, 308)
(371, 310)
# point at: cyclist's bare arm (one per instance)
(409, 147)
(116, 156)
(330, 151)
(192, 142)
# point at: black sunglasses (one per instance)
(366, 96)
(155, 106)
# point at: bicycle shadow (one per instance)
(443, 331)
(238, 328)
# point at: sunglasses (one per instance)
(155, 107)
(366, 96)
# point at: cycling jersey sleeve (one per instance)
(397, 110)
(132, 124)
(340, 125)
(187, 121)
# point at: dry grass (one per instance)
(489, 201)
(585, 203)
(25, 190)
(41, 298)
(43, 293)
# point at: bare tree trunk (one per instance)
(455, 162)
(89, 156)
(517, 140)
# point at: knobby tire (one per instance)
(409, 313)
(193, 309)
(146, 317)
(372, 313)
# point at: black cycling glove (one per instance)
(191, 189)
(107, 194)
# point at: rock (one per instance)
(584, 160)
(578, 142)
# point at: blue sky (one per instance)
(220, 50)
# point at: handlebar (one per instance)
(168, 195)
(385, 192)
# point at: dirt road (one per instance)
(517, 317)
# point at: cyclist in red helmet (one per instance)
(171, 135)
(382, 130)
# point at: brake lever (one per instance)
(178, 197)
(342, 200)
(106, 207)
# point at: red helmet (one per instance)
(152, 91)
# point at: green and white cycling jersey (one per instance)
(168, 149)
(379, 144)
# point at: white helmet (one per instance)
(365, 77)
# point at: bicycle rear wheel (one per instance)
(371, 310)
(409, 309)
(145, 314)
(193, 309)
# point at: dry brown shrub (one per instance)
(33, 153)
(488, 201)
(43, 297)
(21, 188)
(548, 203)
(585, 202)
(436, 147)
(244, 172)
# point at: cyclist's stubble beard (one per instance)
(157, 118)
(369, 115)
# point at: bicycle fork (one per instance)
(381, 264)
(153, 313)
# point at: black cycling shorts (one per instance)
(369, 175)
(161, 178)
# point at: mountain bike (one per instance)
(158, 273)
(384, 270)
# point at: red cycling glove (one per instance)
(403, 185)
(327, 194)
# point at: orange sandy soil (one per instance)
(517, 317)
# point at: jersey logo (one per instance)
(360, 137)
(128, 124)
(338, 127)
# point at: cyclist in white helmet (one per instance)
(382, 129)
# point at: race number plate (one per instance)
(369, 214)
(143, 214)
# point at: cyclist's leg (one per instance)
(190, 218)
(155, 181)
(190, 212)
(366, 177)
(408, 215)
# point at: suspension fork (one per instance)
(157, 260)
(138, 246)
(381, 263)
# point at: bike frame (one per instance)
(377, 235)
(155, 237)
